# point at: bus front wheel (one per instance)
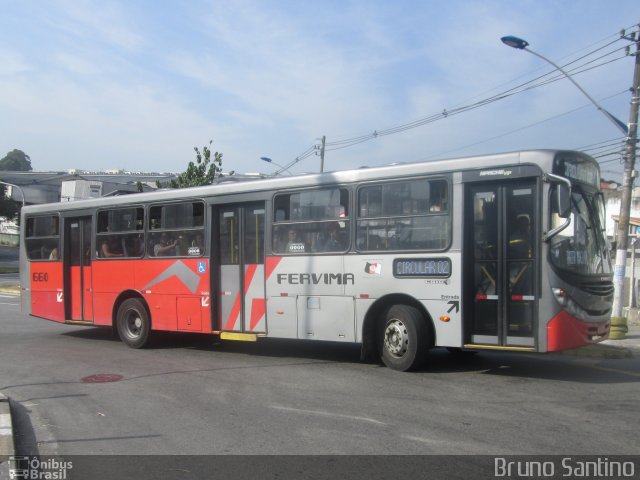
(134, 326)
(403, 339)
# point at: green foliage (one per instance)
(16, 161)
(201, 172)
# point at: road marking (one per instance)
(429, 441)
(6, 303)
(328, 414)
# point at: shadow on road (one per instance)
(24, 435)
(555, 367)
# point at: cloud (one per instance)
(143, 82)
(12, 63)
(103, 21)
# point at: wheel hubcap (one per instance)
(135, 324)
(396, 338)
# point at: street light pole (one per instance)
(521, 44)
(618, 322)
(19, 189)
(282, 169)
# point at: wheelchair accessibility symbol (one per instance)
(202, 267)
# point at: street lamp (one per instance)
(282, 169)
(618, 322)
(19, 189)
(521, 44)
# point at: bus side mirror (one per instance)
(564, 200)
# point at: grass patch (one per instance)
(8, 269)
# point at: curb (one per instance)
(7, 447)
(15, 290)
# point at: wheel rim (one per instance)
(133, 324)
(396, 338)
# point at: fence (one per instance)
(9, 239)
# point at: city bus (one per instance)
(495, 252)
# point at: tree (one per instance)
(16, 161)
(201, 172)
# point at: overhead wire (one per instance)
(542, 80)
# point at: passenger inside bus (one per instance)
(111, 247)
(520, 238)
(165, 247)
(333, 244)
(293, 244)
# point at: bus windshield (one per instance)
(581, 247)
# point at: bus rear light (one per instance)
(445, 318)
(364, 295)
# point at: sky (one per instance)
(136, 85)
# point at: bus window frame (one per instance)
(97, 236)
(448, 213)
(57, 237)
(327, 223)
(151, 233)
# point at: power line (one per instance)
(340, 144)
(541, 80)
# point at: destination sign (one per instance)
(422, 267)
(578, 169)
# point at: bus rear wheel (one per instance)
(404, 341)
(133, 323)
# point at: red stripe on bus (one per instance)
(270, 265)
(258, 307)
(233, 316)
(248, 276)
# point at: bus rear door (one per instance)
(78, 292)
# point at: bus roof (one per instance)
(228, 186)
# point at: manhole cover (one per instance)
(102, 378)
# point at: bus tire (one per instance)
(133, 323)
(403, 343)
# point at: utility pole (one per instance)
(324, 139)
(618, 321)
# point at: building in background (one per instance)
(50, 187)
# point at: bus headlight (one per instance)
(569, 304)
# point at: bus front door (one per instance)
(501, 251)
(77, 260)
(239, 261)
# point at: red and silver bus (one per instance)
(496, 252)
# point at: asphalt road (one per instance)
(190, 396)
